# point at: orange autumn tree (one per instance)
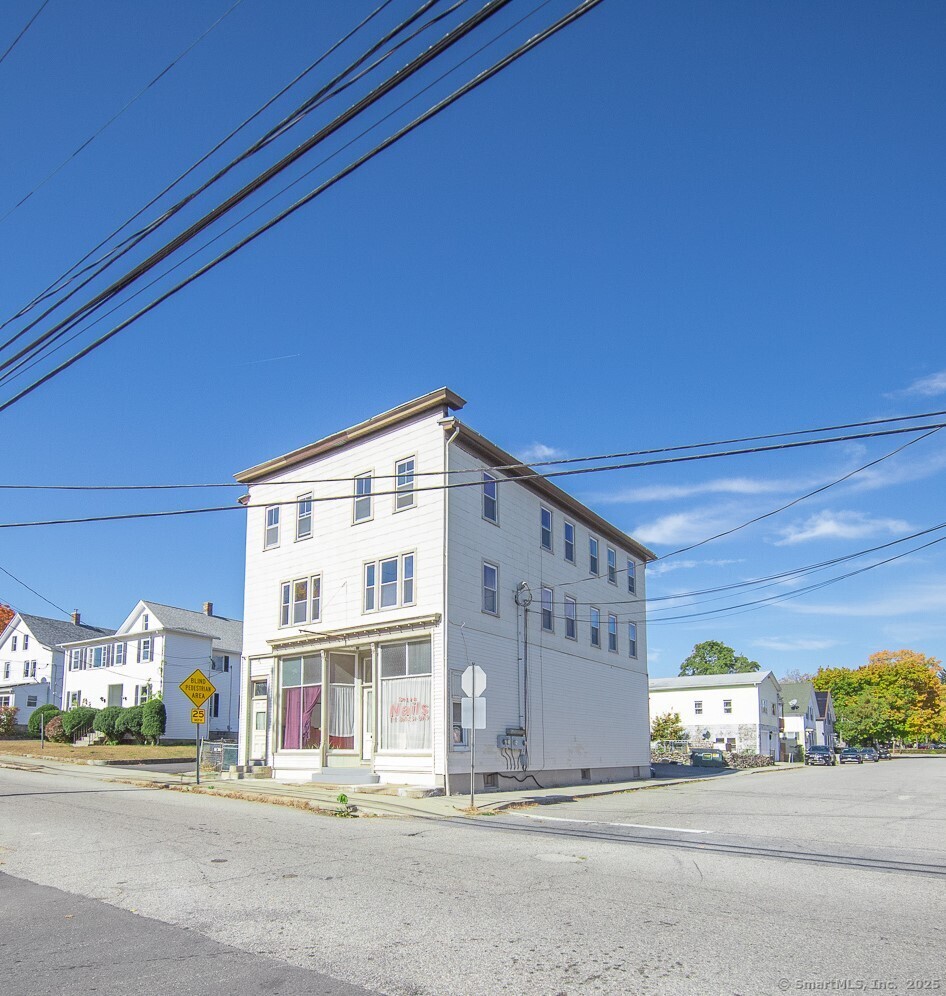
(6, 614)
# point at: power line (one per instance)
(58, 283)
(472, 484)
(120, 112)
(29, 23)
(23, 584)
(451, 38)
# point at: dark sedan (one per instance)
(851, 755)
(869, 754)
(819, 755)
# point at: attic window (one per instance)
(144, 621)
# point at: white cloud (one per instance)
(926, 387)
(793, 646)
(840, 525)
(679, 527)
(719, 486)
(685, 565)
(904, 602)
(538, 452)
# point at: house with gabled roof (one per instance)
(825, 734)
(800, 714)
(31, 660)
(150, 654)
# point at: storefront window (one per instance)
(341, 703)
(301, 695)
(405, 696)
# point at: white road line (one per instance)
(602, 823)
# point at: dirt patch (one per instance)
(123, 752)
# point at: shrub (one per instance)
(106, 721)
(54, 730)
(44, 713)
(7, 720)
(129, 722)
(76, 718)
(153, 720)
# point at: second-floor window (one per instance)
(304, 517)
(491, 589)
(29, 669)
(595, 627)
(13, 643)
(545, 529)
(490, 499)
(571, 617)
(145, 650)
(300, 601)
(389, 582)
(271, 536)
(548, 620)
(119, 654)
(26, 641)
(632, 639)
(612, 633)
(727, 706)
(612, 567)
(362, 511)
(593, 556)
(404, 484)
(570, 542)
(6, 671)
(698, 707)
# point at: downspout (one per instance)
(447, 701)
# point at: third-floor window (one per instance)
(545, 528)
(362, 510)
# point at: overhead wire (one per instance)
(23, 584)
(455, 35)
(26, 28)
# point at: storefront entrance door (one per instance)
(259, 731)
(367, 722)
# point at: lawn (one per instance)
(123, 752)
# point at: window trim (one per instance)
(488, 478)
(400, 490)
(287, 587)
(612, 562)
(697, 707)
(356, 497)
(632, 640)
(631, 576)
(572, 602)
(399, 582)
(612, 631)
(594, 613)
(594, 557)
(550, 548)
(311, 516)
(266, 528)
(484, 588)
(573, 559)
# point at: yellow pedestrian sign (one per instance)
(198, 716)
(197, 688)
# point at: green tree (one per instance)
(106, 721)
(129, 722)
(667, 727)
(44, 713)
(713, 657)
(153, 720)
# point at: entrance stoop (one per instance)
(345, 776)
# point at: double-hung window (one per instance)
(698, 707)
(389, 582)
(404, 484)
(570, 541)
(271, 537)
(362, 511)
(632, 639)
(612, 633)
(727, 706)
(631, 576)
(491, 589)
(612, 567)
(300, 601)
(304, 517)
(545, 528)
(6, 670)
(548, 619)
(13, 643)
(490, 498)
(119, 654)
(571, 617)
(26, 641)
(145, 650)
(593, 556)
(26, 669)
(595, 627)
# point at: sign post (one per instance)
(473, 714)
(198, 689)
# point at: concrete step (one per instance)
(345, 776)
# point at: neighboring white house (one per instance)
(801, 714)
(825, 722)
(31, 660)
(734, 711)
(368, 578)
(151, 653)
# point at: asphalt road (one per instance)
(807, 880)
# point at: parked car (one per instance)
(820, 755)
(884, 753)
(869, 754)
(708, 758)
(851, 755)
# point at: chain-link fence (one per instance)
(218, 755)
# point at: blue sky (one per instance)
(672, 223)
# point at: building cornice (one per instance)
(334, 638)
(443, 399)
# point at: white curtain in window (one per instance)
(341, 711)
(405, 713)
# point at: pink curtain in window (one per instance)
(311, 696)
(291, 729)
(299, 705)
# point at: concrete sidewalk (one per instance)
(323, 798)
